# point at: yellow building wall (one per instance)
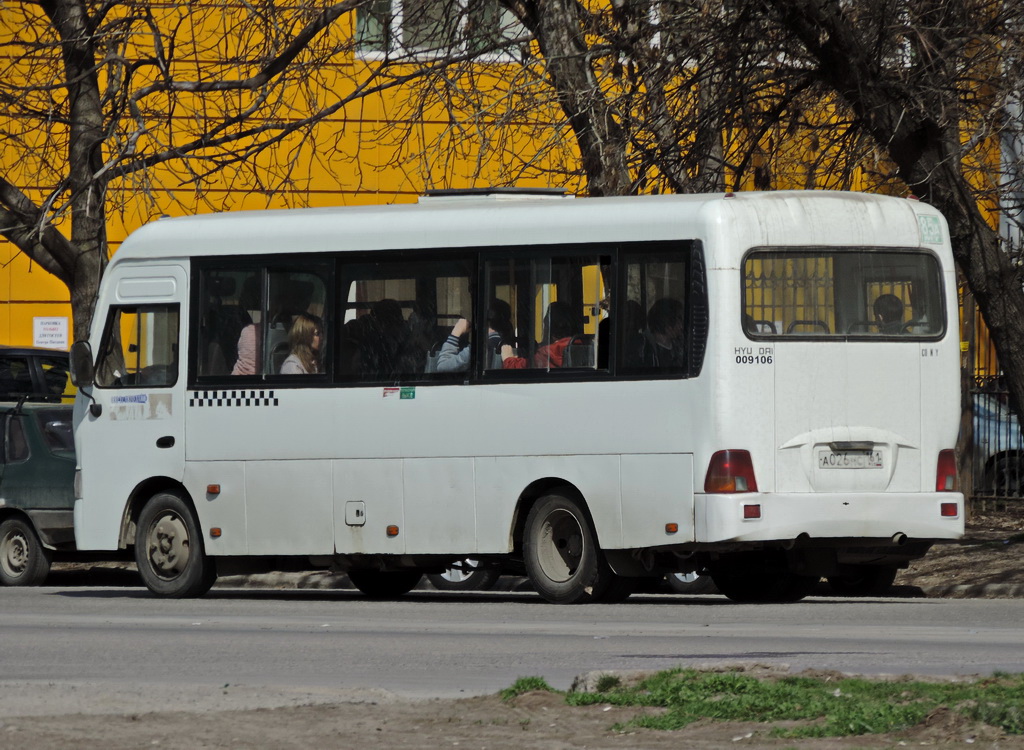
(376, 157)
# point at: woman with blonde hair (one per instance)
(304, 341)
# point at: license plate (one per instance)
(849, 459)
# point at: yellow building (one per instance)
(384, 148)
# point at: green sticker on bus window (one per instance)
(931, 229)
(408, 392)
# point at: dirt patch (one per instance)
(537, 720)
(992, 552)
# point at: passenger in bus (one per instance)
(665, 337)
(634, 323)
(384, 340)
(304, 341)
(283, 308)
(918, 323)
(454, 357)
(247, 347)
(223, 322)
(245, 364)
(350, 348)
(889, 314)
(561, 326)
(420, 334)
(294, 297)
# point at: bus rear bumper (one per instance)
(765, 517)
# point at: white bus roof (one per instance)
(747, 219)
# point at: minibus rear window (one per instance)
(848, 293)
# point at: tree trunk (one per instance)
(85, 161)
(557, 26)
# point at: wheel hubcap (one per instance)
(168, 546)
(460, 571)
(15, 554)
(561, 547)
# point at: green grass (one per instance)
(525, 685)
(823, 707)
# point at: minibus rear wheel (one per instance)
(869, 580)
(169, 549)
(761, 579)
(378, 584)
(561, 554)
(465, 575)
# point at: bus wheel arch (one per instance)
(529, 497)
(560, 548)
(168, 541)
(138, 498)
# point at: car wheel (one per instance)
(691, 583)
(1005, 477)
(560, 551)
(871, 580)
(169, 549)
(465, 575)
(24, 561)
(378, 584)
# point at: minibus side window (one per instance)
(402, 320)
(260, 322)
(545, 314)
(655, 319)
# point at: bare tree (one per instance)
(115, 105)
(904, 96)
(97, 95)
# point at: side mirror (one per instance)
(83, 372)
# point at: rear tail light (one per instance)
(945, 473)
(730, 471)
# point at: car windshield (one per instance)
(55, 427)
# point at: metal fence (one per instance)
(991, 447)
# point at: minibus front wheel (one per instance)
(169, 549)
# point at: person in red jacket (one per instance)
(561, 326)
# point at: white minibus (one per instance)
(760, 387)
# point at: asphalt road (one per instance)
(69, 650)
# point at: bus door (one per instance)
(843, 331)
(137, 403)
